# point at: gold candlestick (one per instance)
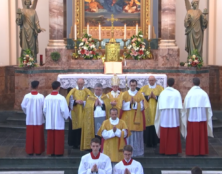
(75, 55)
(100, 45)
(150, 56)
(124, 40)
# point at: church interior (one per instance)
(67, 40)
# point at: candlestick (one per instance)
(75, 38)
(75, 48)
(149, 49)
(124, 40)
(41, 60)
(136, 29)
(125, 62)
(99, 31)
(100, 47)
(124, 31)
(88, 28)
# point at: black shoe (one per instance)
(52, 154)
(38, 154)
(30, 154)
(58, 155)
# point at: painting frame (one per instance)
(145, 18)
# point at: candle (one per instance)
(136, 29)
(41, 60)
(125, 62)
(88, 28)
(99, 31)
(149, 32)
(124, 31)
(75, 32)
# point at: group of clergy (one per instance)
(133, 117)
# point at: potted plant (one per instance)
(27, 59)
(55, 56)
(194, 60)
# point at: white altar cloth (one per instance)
(69, 80)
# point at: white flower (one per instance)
(137, 48)
(186, 64)
(129, 47)
(81, 44)
(147, 52)
(89, 35)
(194, 56)
(92, 46)
(85, 48)
(140, 35)
(79, 52)
(29, 63)
(190, 60)
(24, 58)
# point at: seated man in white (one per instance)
(128, 165)
(95, 162)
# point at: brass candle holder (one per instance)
(100, 45)
(75, 48)
(124, 40)
(150, 56)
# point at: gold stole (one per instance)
(88, 131)
(78, 111)
(117, 100)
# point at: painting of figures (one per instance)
(98, 11)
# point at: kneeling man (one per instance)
(114, 132)
(128, 165)
(95, 162)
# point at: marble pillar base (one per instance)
(57, 43)
(167, 44)
(63, 62)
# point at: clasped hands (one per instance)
(127, 171)
(79, 102)
(98, 103)
(152, 95)
(113, 103)
(94, 168)
(132, 100)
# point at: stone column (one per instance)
(168, 23)
(57, 33)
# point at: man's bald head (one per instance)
(152, 80)
(80, 83)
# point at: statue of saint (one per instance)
(28, 21)
(195, 23)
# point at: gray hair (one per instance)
(98, 85)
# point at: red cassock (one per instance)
(197, 138)
(170, 142)
(32, 106)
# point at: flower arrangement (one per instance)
(87, 47)
(137, 48)
(27, 60)
(194, 60)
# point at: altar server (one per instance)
(76, 100)
(197, 118)
(56, 111)
(32, 105)
(115, 95)
(128, 165)
(133, 115)
(167, 119)
(114, 132)
(95, 162)
(151, 93)
(96, 111)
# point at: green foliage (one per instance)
(55, 56)
(195, 60)
(27, 59)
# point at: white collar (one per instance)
(132, 92)
(152, 87)
(114, 122)
(78, 88)
(98, 96)
(115, 94)
(127, 161)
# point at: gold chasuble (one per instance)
(113, 147)
(78, 110)
(88, 131)
(134, 118)
(150, 112)
(117, 100)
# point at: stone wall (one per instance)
(7, 87)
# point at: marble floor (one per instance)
(12, 144)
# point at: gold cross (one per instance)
(112, 19)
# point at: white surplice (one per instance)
(32, 106)
(168, 110)
(197, 108)
(134, 168)
(55, 111)
(103, 164)
(107, 134)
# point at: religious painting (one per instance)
(126, 11)
(129, 12)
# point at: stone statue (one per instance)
(28, 21)
(195, 23)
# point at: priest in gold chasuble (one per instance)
(151, 93)
(133, 104)
(96, 111)
(113, 132)
(76, 99)
(115, 95)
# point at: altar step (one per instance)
(15, 120)
(151, 165)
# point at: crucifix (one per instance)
(112, 20)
